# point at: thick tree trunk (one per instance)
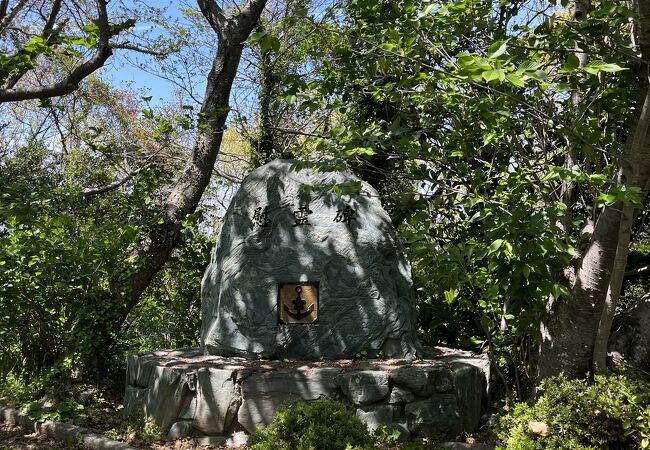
(186, 193)
(567, 335)
(576, 331)
(570, 334)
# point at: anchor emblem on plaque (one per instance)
(298, 303)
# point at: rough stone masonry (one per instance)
(344, 248)
(193, 394)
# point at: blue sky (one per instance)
(120, 72)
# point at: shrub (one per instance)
(611, 412)
(136, 430)
(323, 425)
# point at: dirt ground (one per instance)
(17, 438)
(12, 437)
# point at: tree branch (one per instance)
(226, 176)
(4, 4)
(71, 82)
(187, 189)
(137, 48)
(643, 24)
(89, 192)
(640, 270)
(6, 20)
(48, 34)
(51, 20)
(251, 11)
(213, 14)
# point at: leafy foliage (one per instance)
(464, 115)
(138, 431)
(62, 411)
(460, 114)
(323, 424)
(62, 255)
(611, 412)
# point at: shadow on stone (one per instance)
(342, 253)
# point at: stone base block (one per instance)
(214, 395)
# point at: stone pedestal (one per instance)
(190, 393)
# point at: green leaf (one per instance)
(600, 66)
(496, 245)
(36, 45)
(351, 188)
(494, 74)
(450, 295)
(559, 290)
(497, 49)
(572, 62)
(257, 36)
(606, 199)
(265, 41)
(426, 11)
(487, 325)
(516, 79)
(291, 99)
(363, 151)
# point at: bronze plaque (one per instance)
(298, 303)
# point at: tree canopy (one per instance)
(508, 140)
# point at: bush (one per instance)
(138, 431)
(611, 412)
(323, 425)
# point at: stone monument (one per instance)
(307, 276)
(307, 295)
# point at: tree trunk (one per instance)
(189, 187)
(576, 330)
(567, 334)
(569, 189)
(613, 292)
(265, 144)
(187, 192)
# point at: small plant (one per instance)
(386, 436)
(611, 412)
(324, 424)
(138, 431)
(13, 390)
(58, 412)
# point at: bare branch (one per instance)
(226, 176)
(137, 48)
(6, 20)
(298, 132)
(88, 192)
(51, 20)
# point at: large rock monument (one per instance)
(298, 275)
(307, 295)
